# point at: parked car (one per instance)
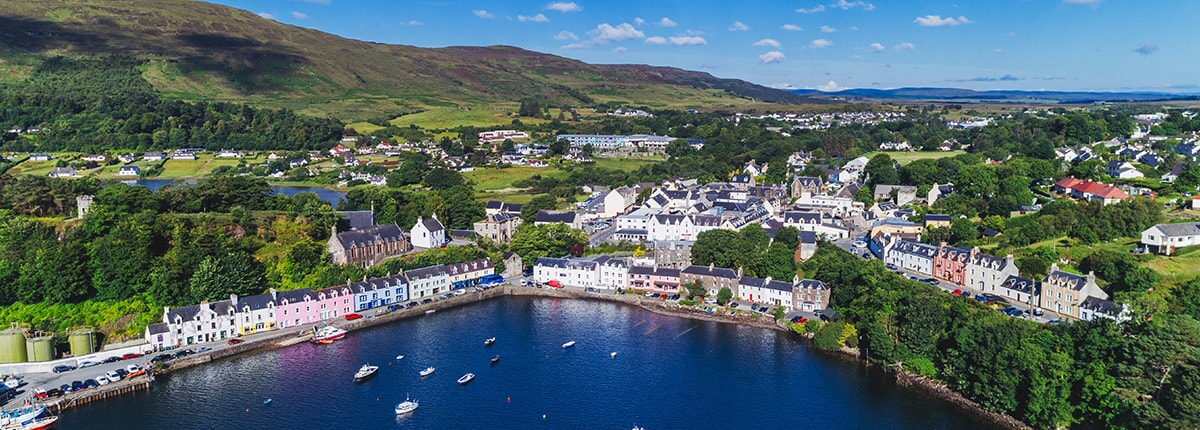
(426, 301)
(524, 283)
(130, 355)
(161, 357)
(90, 383)
(132, 368)
(234, 341)
(860, 244)
(957, 292)
(87, 363)
(54, 392)
(351, 317)
(65, 388)
(410, 304)
(1038, 312)
(112, 359)
(62, 368)
(102, 380)
(673, 297)
(40, 393)
(733, 304)
(119, 373)
(890, 266)
(754, 306)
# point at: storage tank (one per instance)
(12, 346)
(40, 347)
(82, 340)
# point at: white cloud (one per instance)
(606, 32)
(828, 29)
(656, 40)
(877, 47)
(620, 49)
(768, 42)
(829, 86)
(821, 43)
(1092, 3)
(791, 27)
(854, 28)
(564, 6)
(579, 45)
(536, 18)
(265, 15)
(905, 46)
(565, 35)
(998, 51)
(847, 5)
(938, 21)
(782, 86)
(738, 26)
(814, 9)
(687, 40)
(316, 1)
(771, 57)
(666, 22)
(483, 14)
(299, 15)
(638, 21)
(413, 22)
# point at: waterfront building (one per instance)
(910, 255)
(950, 264)
(657, 279)
(296, 308)
(427, 281)
(378, 292)
(467, 273)
(204, 322)
(712, 278)
(254, 313)
(1064, 292)
(334, 302)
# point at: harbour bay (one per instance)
(669, 372)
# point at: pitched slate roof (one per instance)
(812, 284)
(426, 272)
(740, 179)
(1018, 283)
(158, 328)
(915, 248)
(779, 285)
(1179, 229)
(798, 217)
(1068, 280)
(567, 217)
(750, 281)
(432, 224)
(369, 235)
(292, 296)
(937, 217)
(255, 302)
(358, 220)
(808, 181)
(705, 271)
(470, 266)
(808, 237)
(1100, 306)
(567, 263)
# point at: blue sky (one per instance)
(1093, 45)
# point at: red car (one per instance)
(351, 317)
(130, 355)
(234, 341)
(957, 292)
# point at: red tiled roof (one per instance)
(1103, 191)
(1067, 182)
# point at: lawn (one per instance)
(626, 163)
(903, 157)
(1181, 267)
(491, 179)
(443, 118)
(201, 167)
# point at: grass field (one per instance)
(1181, 267)
(903, 157)
(451, 117)
(489, 179)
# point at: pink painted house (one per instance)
(334, 302)
(656, 279)
(296, 308)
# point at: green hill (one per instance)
(196, 50)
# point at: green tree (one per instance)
(881, 169)
(779, 262)
(723, 295)
(538, 203)
(534, 241)
(219, 276)
(977, 181)
(695, 289)
(789, 236)
(443, 179)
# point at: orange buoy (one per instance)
(510, 399)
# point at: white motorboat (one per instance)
(428, 371)
(365, 372)
(406, 406)
(568, 344)
(612, 354)
(327, 334)
(489, 341)
(466, 378)
(399, 357)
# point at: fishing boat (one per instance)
(35, 424)
(495, 359)
(466, 378)
(327, 334)
(21, 416)
(428, 371)
(489, 341)
(365, 372)
(406, 406)
(568, 344)
(399, 357)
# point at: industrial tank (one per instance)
(40, 347)
(12, 346)
(82, 340)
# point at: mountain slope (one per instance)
(216, 52)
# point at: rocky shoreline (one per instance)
(291, 337)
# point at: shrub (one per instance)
(922, 366)
(828, 337)
(686, 302)
(813, 326)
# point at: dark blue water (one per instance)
(715, 376)
(327, 194)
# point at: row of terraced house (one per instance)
(274, 310)
(1063, 293)
(613, 273)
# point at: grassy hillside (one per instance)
(197, 50)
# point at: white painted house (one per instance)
(1167, 238)
(428, 233)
